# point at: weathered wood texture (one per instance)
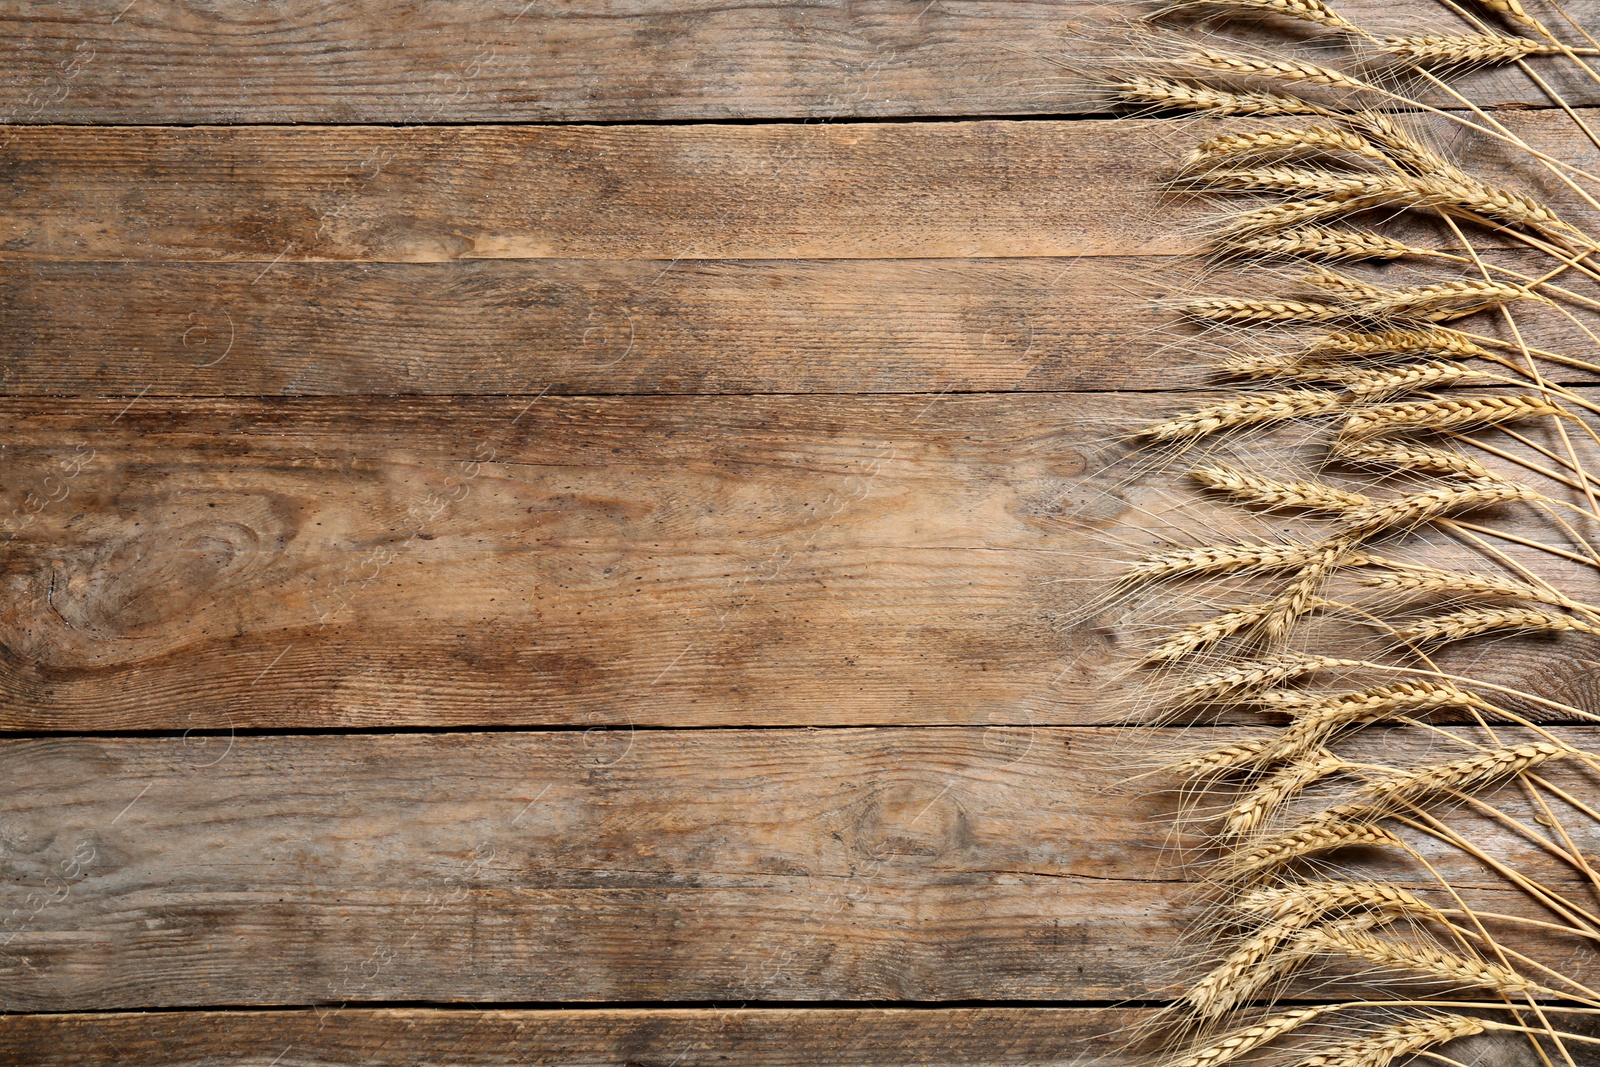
(606, 1037)
(953, 190)
(180, 564)
(888, 864)
(364, 61)
(942, 257)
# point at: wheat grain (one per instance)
(1246, 409)
(1460, 625)
(1263, 365)
(1513, 9)
(1421, 960)
(1304, 590)
(1452, 413)
(1389, 1044)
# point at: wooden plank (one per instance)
(274, 195)
(326, 562)
(571, 327)
(361, 61)
(602, 1037)
(566, 326)
(774, 865)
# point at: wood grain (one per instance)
(190, 564)
(949, 190)
(361, 61)
(601, 1037)
(560, 327)
(887, 864)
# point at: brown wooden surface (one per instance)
(673, 561)
(944, 257)
(887, 864)
(354, 1037)
(628, 569)
(368, 61)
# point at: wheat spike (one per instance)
(1183, 96)
(1317, 242)
(1428, 340)
(1218, 559)
(1320, 833)
(1388, 1045)
(1310, 902)
(1456, 776)
(1261, 491)
(1277, 787)
(1414, 509)
(1223, 758)
(1417, 578)
(1264, 365)
(1254, 676)
(1443, 301)
(1420, 960)
(1460, 625)
(1246, 1039)
(1199, 635)
(1459, 49)
(1369, 383)
(1247, 409)
(1454, 413)
(1262, 958)
(1314, 138)
(1304, 10)
(1240, 310)
(1304, 590)
(1246, 66)
(1410, 456)
(1318, 717)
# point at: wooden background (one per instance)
(561, 533)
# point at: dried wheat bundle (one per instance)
(1401, 416)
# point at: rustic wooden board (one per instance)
(888, 864)
(602, 1037)
(97, 300)
(362, 61)
(573, 327)
(326, 562)
(959, 190)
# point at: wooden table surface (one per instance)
(567, 533)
